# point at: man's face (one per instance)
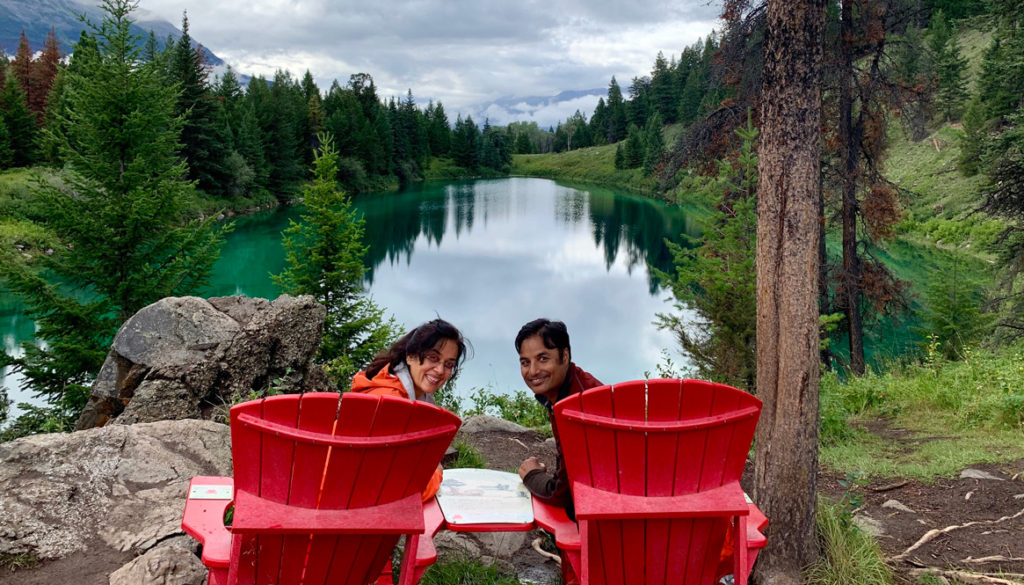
(543, 369)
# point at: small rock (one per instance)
(968, 495)
(897, 505)
(978, 474)
(1019, 497)
(483, 423)
(869, 525)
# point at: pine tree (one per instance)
(324, 254)
(950, 66)
(639, 107)
(22, 132)
(714, 275)
(653, 142)
(6, 154)
(85, 56)
(21, 66)
(125, 242)
(663, 90)
(618, 119)
(44, 71)
(439, 134)
(466, 143)
(633, 148)
(599, 122)
(202, 140)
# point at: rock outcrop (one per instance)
(181, 356)
(107, 494)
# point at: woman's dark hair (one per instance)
(552, 333)
(415, 343)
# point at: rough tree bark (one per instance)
(788, 232)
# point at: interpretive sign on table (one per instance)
(484, 496)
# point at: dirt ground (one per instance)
(990, 511)
(981, 520)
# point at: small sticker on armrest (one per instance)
(210, 492)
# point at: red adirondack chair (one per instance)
(323, 487)
(655, 467)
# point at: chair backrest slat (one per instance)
(629, 402)
(599, 442)
(656, 438)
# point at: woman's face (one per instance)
(434, 367)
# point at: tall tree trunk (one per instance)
(849, 138)
(788, 232)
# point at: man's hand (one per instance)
(529, 465)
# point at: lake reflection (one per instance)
(491, 255)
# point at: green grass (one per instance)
(468, 456)
(973, 42)
(848, 554)
(13, 562)
(445, 169)
(931, 174)
(519, 407)
(466, 571)
(940, 416)
(595, 164)
(21, 238)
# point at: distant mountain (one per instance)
(36, 17)
(546, 111)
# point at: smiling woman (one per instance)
(415, 366)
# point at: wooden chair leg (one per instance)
(740, 565)
(409, 576)
(386, 575)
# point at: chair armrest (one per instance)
(256, 515)
(203, 519)
(595, 504)
(554, 520)
(433, 520)
(756, 524)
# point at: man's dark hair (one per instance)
(552, 333)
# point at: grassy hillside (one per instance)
(595, 164)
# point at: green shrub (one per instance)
(848, 554)
(13, 562)
(467, 572)
(521, 408)
(58, 417)
(468, 456)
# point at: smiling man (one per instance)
(545, 361)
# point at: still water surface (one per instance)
(488, 256)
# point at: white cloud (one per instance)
(461, 52)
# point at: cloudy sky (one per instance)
(462, 52)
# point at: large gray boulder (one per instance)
(97, 498)
(180, 357)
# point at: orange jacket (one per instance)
(386, 384)
(383, 384)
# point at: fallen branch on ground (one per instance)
(891, 486)
(967, 577)
(939, 531)
(544, 553)
(992, 559)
